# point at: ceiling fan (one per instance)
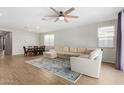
(62, 15)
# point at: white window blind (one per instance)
(49, 40)
(106, 36)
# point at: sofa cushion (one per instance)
(84, 56)
(72, 53)
(73, 50)
(81, 50)
(60, 53)
(52, 51)
(94, 54)
(89, 50)
(65, 49)
(58, 48)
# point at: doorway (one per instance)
(5, 43)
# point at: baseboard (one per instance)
(18, 55)
(108, 62)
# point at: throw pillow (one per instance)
(94, 54)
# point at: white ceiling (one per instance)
(30, 19)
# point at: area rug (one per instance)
(58, 66)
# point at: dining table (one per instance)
(35, 50)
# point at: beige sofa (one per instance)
(88, 66)
(69, 51)
(83, 60)
(50, 54)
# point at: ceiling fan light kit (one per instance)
(61, 18)
(63, 15)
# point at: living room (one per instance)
(61, 46)
(69, 38)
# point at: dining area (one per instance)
(33, 50)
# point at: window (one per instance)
(106, 36)
(49, 40)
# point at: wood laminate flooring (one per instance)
(14, 71)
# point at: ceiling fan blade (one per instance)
(56, 19)
(71, 16)
(69, 11)
(65, 20)
(51, 16)
(55, 10)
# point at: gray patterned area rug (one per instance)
(60, 67)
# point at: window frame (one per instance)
(49, 40)
(113, 37)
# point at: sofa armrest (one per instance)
(85, 66)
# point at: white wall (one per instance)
(20, 39)
(83, 36)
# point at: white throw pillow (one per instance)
(94, 54)
(52, 50)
